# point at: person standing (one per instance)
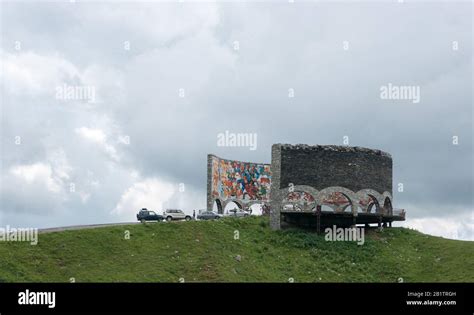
(194, 214)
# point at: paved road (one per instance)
(81, 227)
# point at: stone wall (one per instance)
(353, 178)
(354, 168)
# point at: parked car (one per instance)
(175, 214)
(238, 213)
(209, 215)
(146, 215)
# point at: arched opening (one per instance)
(363, 203)
(339, 201)
(256, 209)
(326, 208)
(347, 208)
(232, 206)
(217, 206)
(373, 206)
(387, 205)
(291, 206)
(299, 201)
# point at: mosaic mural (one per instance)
(298, 196)
(336, 198)
(300, 201)
(240, 180)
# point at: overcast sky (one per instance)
(167, 78)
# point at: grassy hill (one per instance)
(207, 251)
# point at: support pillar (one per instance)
(318, 219)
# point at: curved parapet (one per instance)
(339, 177)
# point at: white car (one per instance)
(175, 214)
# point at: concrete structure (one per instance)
(313, 186)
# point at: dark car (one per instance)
(146, 215)
(208, 215)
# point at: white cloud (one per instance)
(149, 193)
(32, 74)
(53, 173)
(61, 167)
(38, 172)
(161, 22)
(92, 134)
(98, 136)
(458, 227)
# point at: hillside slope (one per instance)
(207, 251)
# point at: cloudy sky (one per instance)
(155, 83)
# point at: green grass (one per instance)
(205, 252)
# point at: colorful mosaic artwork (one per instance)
(300, 201)
(240, 180)
(297, 196)
(336, 198)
